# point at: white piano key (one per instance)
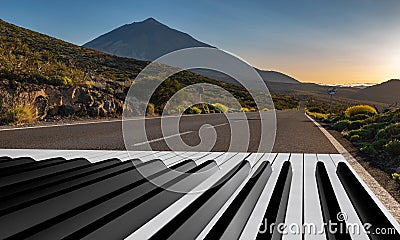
(208, 156)
(179, 157)
(312, 205)
(294, 214)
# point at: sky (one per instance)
(322, 41)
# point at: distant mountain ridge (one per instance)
(150, 39)
(386, 92)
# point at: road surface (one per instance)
(295, 134)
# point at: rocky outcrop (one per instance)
(60, 101)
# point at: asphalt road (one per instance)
(295, 133)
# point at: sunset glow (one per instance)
(314, 41)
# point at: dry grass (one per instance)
(21, 114)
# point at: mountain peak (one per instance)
(145, 40)
(151, 20)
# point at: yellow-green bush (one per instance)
(221, 107)
(193, 110)
(245, 109)
(396, 176)
(360, 109)
(21, 114)
(318, 116)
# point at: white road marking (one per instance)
(218, 125)
(160, 139)
(174, 135)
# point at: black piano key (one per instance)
(47, 170)
(230, 225)
(366, 208)
(5, 158)
(43, 182)
(330, 206)
(276, 210)
(7, 171)
(14, 162)
(129, 217)
(91, 212)
(40, 212)
(21, 201)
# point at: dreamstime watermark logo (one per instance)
(155, 84)
(342, 216)
(341, 226)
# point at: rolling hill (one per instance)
(386, 92)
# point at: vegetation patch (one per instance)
(377, 135)
(360, 110)
(20, 114)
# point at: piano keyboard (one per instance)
(46, 194)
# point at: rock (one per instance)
(93, 111)
(53, 111)
(42, 106)
(55, 98)
(66, 111)
(102, 112)
(83, 96)
(109, 106)
(80, 109)
(120, 95)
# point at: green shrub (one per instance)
(395, 120)
(359, 117)
(360, 109)
(315, 109)
(204, 109)
(61, 80)
(221, 107)
(341, 125)
(356, 124)
(393, 147)
(355, 138)
(336, 118)
(392, 130)
(379, 144)
(193, 110)
(21, 114)
(368, 149)
(365, 134)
